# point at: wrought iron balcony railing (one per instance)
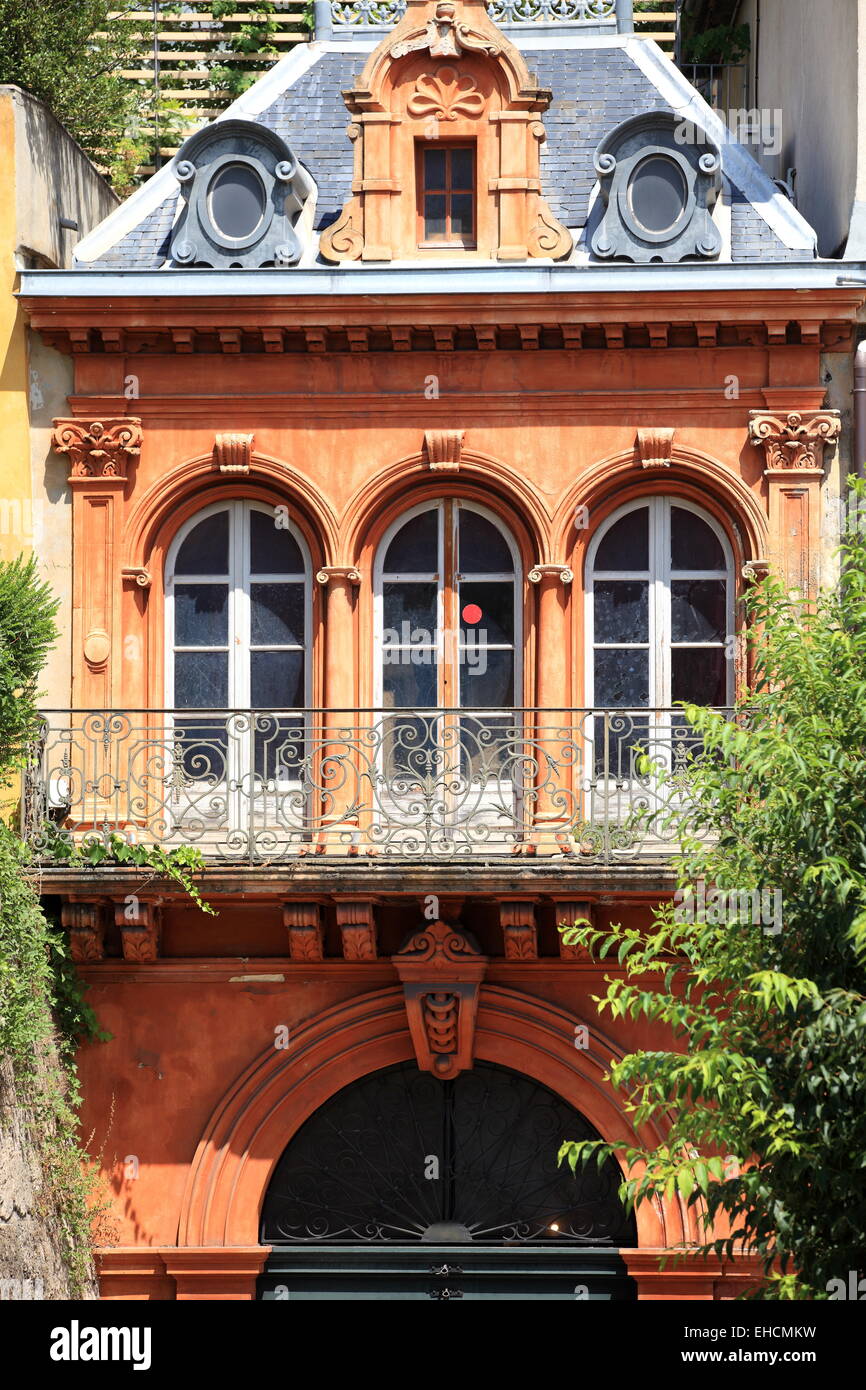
(258, 787)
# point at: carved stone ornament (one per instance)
(655, 447)
(304, 926)
(444, 95)
(85, 923)
(519, 930)
(441, 969)
(140, 929)
(551, 573)
(628, 163)
(357, 924)
(795, 441)
(445, 37)
(212, 229)
(232, 453)
(98, 448)
(444, 449)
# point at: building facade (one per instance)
(432, 412)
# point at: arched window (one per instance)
(447, 611)
(238, 597)
(448, 658)
(237, 602)
(660, 609)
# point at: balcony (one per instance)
(357, 789)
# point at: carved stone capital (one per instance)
(551, 573)
(328, 574)
(795, 441)
(98, 448)
(85, 923)
(233, 453)
(140, 928)
(441, 969)
(444, 449)
(306, 934)
(655, 447)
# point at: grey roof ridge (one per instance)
(248, 106)
(778, 211)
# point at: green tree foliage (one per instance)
(70, 55)
(27, 634)
(764, 1102)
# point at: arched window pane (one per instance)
(487, 613)
(698, 610)
(201, 615)
(206, 548)
(694, 544)
(483, 548)
(273, 549)
(621, 611)
(415, 548)
(277, 615)
(626, 545)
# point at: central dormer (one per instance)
(446, 123)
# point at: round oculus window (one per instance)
(658, 193)
(237, 201)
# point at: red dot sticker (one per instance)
(472, 613)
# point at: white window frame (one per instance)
(379, 572)
(659, 576)
(242, 807)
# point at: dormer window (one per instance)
(446, 195)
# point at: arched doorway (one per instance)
(404, 1186)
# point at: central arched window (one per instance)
(448, 663)
(238, 598)
(447, 612)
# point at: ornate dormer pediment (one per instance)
(445, 121)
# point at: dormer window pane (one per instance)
(446, 176)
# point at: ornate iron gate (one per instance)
(406, 1186)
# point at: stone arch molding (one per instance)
(605, 483)
(195, 482)
(446, 72)
(262, 1110)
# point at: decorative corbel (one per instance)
(98, 448)
(137, 575)
(85, 923)
(357, 923)
(140, 926)
(441, 969)
(444, 449)
(756, 571)
(233, 453)
(570, 911)
(655, 447)
(519, 930)
(303, 922)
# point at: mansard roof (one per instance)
(598, 82)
